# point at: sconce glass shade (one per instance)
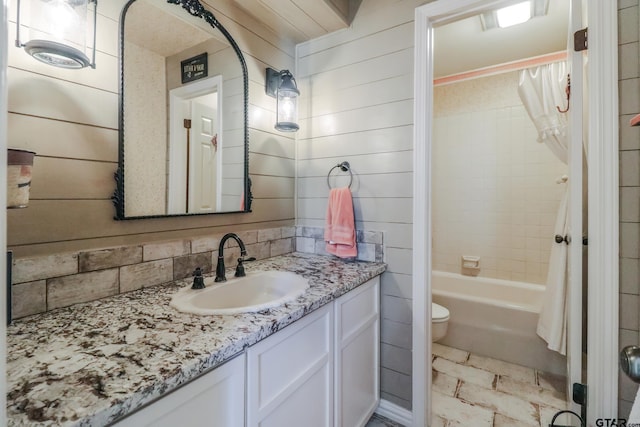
(57, 31)
(283, 86)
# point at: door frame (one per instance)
(602, 93)
(3, 196)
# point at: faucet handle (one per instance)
(198, 280)
(240, 267)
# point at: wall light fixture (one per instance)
(282, 86)
(58, 31)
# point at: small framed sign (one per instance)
(194, 68)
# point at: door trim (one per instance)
(602, 93)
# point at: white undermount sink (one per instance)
(258, 290)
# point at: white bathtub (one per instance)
(495, 318)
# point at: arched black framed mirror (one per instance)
(183, 137)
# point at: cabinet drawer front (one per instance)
(281, 366)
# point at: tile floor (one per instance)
(471, 390)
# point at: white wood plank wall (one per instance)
(70, 119)
(357, 105)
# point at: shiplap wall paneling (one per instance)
(360, 109)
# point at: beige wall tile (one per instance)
(629, 61)
(153, 251)
(281, 246)
(629, 135)
(630, 204)
(108, 258)
(259, 250)
(629, 276)
(28, 298)
(184, 266)
(30, 269)
(628, 25)
(146, 274)
(629, 240)
(629, 311)
(269, 234)
(83, 287)
(205, 244)
(288, 232)
(629, 104)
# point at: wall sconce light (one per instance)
(282, 86)
(58, 31)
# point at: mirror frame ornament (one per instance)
(194, 8)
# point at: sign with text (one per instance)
(194, 68)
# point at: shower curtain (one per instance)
(541, 89)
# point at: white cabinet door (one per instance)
(290, 375)
(215, 399)
(357, 354)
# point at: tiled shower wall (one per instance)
(629, 90)
(494, 185)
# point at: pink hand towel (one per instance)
(340, 229)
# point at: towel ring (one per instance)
(344, 167)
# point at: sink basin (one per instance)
(258, 290)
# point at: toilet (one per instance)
(439, 321)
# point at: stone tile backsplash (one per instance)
(48, 282)
(370, 243)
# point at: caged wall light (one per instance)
(282, 86)
(58, 31)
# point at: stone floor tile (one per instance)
(438, 422)
(503, 421)
(532, 393)
(517, 372)
(459, 412)
(499, 402)
(449, 353)
(466, 373)
(444, 383)
(547, 413)
(552, 382)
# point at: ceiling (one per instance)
(145, 17)
(463, 45)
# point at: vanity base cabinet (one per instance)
(290, 375)
(357, 339)
(216, 399)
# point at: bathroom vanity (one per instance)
(133, 360)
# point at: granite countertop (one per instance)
(92, 363)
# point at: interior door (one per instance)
(203, 158)
(575, 322)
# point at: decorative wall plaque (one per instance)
(194, 68)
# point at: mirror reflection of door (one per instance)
(204, 153)
(194, 180)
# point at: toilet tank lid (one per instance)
(438, 311)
